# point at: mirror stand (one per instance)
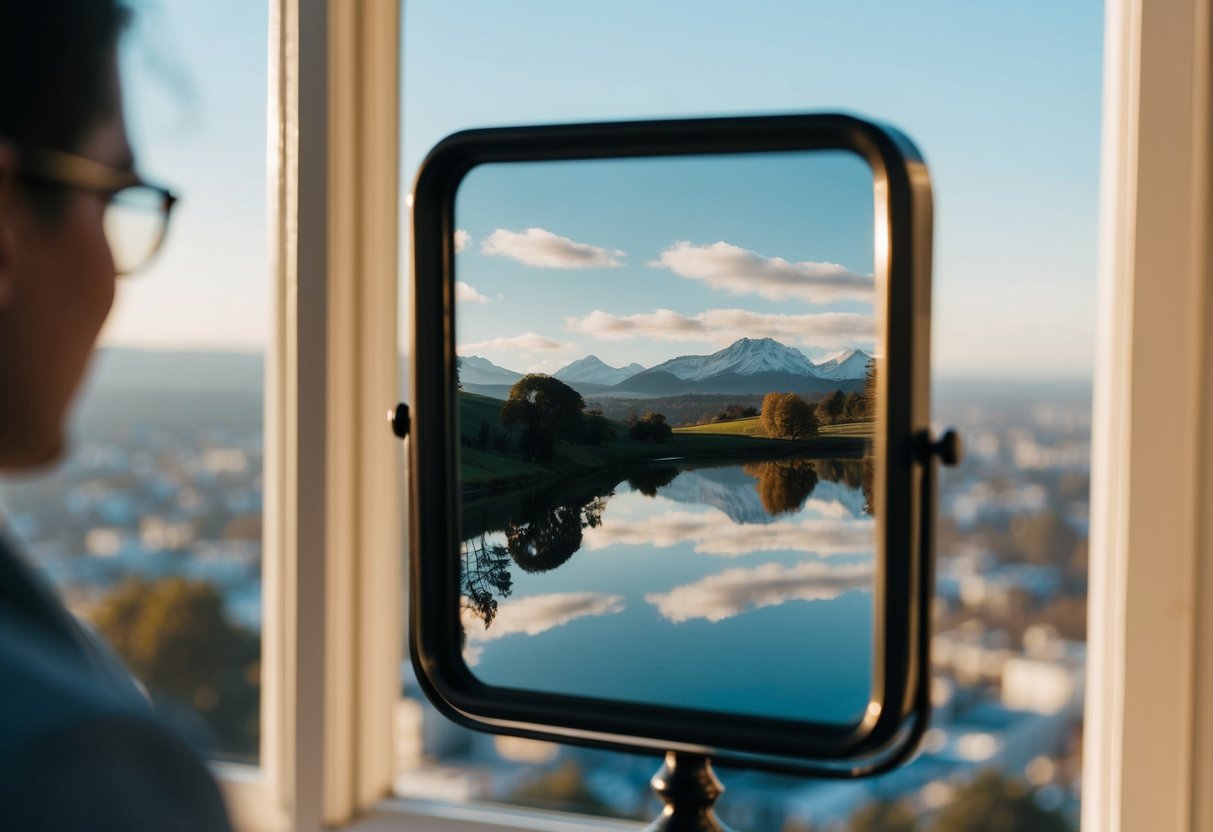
(688, 787)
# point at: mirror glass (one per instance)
(666, 406)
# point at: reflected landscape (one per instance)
(725, 588)
(667, 405)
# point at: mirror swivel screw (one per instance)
(948, 448)
(398, 418)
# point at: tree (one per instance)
(484, 576)
(649, 479)
(547, 409)
(547, 540)
(993, 803)
(869, 388)
(787, 416)
(596, 429)
(651, 426)
(783, 485)
(734, 411)
(175, 636)
(830, 408)
(855, 409)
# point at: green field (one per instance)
(490, 470)
(734, 427)
(753, 427)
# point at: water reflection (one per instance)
(484, 576)
(648, 479)
(735, 591)
(783, 484)
(552, 535)
(647, 585)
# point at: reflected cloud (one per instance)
(713, 533)
(544, 250)
(724, 326)
(739, 271)
(735, 591)
(462, 240)
(539, 613)
(466, 294)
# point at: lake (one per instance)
(744, 589)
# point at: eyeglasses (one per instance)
(136, 213)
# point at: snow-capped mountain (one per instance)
(744, 358)
(476, 370)
(593, 370)
(852, 364)
(730, 490)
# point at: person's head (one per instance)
(59, 92)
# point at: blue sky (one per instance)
(643, 260)
(1003, 99)
(194, 78)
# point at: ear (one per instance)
(8, 202)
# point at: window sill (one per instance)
(435, 816)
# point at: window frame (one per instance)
(333, 578)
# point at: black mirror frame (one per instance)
(900, 705)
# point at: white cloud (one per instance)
(462, 240)
(741, 272)
(466, 294)
(539, 613)
(735, 591)
(528, 342)
(544, 250)
(714, 533)
(724, 326)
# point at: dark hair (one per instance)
(55, 69)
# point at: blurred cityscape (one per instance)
(161, 498)
(1008, 654)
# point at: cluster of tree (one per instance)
(837, 406)
(988, 803)
(732, 412)
(546, 410)
(486, 438)
(546, 539)
(683, 409)
(787, 416)
(783, 484)
(201, 669)
(596, 429)
(649, 479)
(860, 406)
(649, 426)
(484, 577)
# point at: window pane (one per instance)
(151, 526)
(1006, 110)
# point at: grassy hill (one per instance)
(492, 470)
(734, 427)
(753, 427)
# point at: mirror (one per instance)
(675, 500)
(665, 372)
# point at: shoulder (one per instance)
(76, 754)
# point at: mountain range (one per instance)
(749, 365)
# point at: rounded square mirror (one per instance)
(669, 408)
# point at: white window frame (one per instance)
(1148, 740)
(334, 493)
